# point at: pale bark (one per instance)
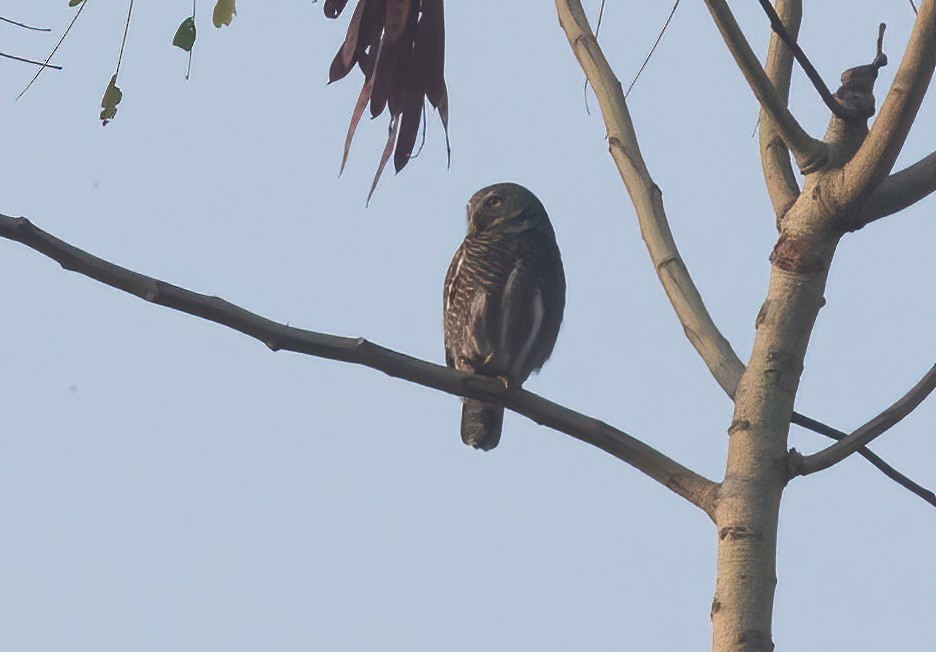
(698, 326)
(809, 152)
(878, 153)
(682, 292)
(755, 473)
(902, 189)
(813, 222)
(775, 155)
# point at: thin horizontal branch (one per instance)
(697, 323)
(775, 155)
(808, 151)
(24, 25)
(868, 454)
(695, 488)
(877, 155)
(35, 63)
(902, 189)
(806, 464)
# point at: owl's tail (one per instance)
(481, 424)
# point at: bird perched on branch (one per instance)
(503, 299)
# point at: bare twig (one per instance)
(652, 49)
(775, 155)
(808, 151)
(868, 454)
(877, 155)
(54, 50)
(702, 332)
(24, 26)
(777, 25)
(695, 488)
(123, 40)
(806, 464)
(35, 63)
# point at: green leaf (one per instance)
(223, 13)
(185, 36)
(74, 3)
(109, 102)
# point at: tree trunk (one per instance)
(756, 473)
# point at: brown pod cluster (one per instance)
(399, 45)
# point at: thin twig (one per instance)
(601, 9)
(652, 49)
(830, 101)
(123, 41)
(25, 26)
(806, 464)
(695, 488)
(35, 63)
(54, 50)
(188, 69)
(885, 468)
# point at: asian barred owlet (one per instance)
(504, 297)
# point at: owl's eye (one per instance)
(493, 201)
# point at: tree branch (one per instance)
(878, 153)
(806, 464)
(902, 189)
(35, 63)
(777, 24)
(808, 151)
(775, 155)
(698, 325)
(24, 25)
(715, 350)
(868, 454)
(695, 488)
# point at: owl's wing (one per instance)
(552, 284)
(449, 293)
(520, 323)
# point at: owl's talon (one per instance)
(488, 358)
(504, 381)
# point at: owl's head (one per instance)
(505, 208)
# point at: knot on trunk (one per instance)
(793, 254)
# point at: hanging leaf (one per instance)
(223, 13)
(334, 7)
(185, 36)
(112, 97)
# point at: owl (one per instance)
(503, 299)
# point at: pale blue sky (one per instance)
(167, 484)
